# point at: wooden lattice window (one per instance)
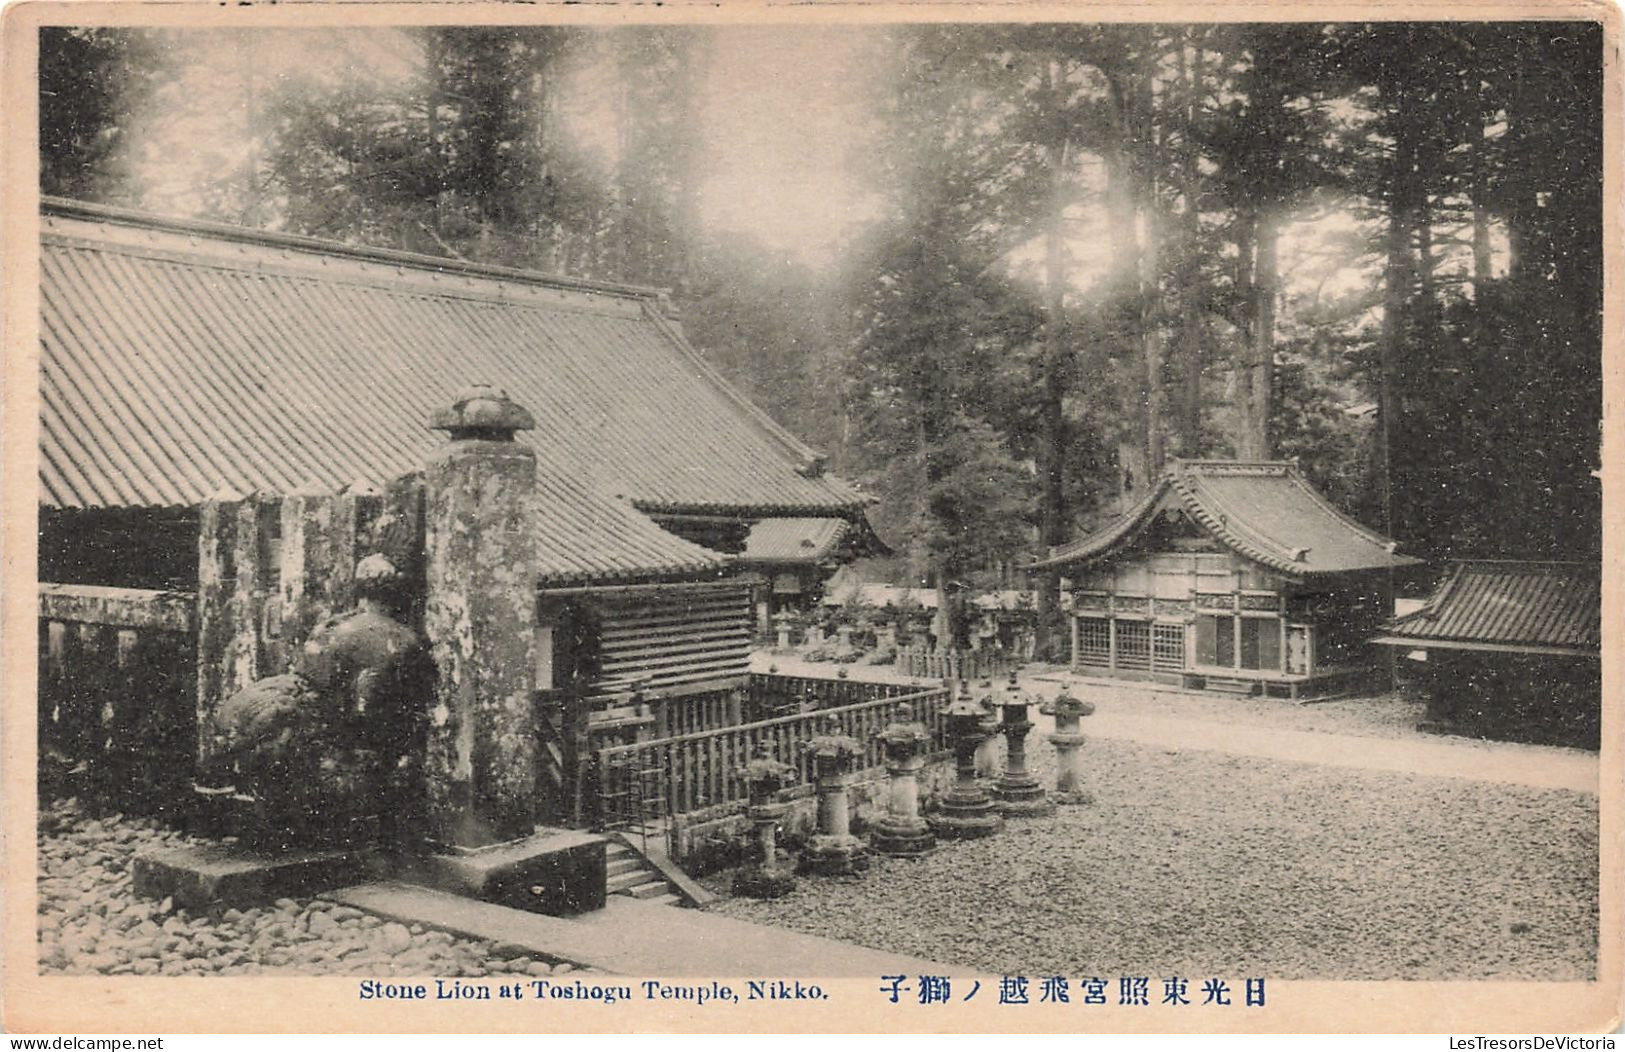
(1133, 645)
(1168, 645)
(1094, 640)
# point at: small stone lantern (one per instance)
(1068, 739)
(987, 755)
(782, 622)
(834, 851)
(903, 833)
(965, 812)
(1018, 793)
(764, 778)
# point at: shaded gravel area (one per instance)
(1197, 863)
(90, 923)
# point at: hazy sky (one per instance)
(784, 114)
(779, 109)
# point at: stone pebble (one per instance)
(90, 923)
(1202, 864)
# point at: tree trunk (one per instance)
(1188, 410)
(1148, 163)
(1256, 441)
(1399, 279)
(1052, 512)
(1122, 200)
(1241, 400)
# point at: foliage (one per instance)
(92, 83)
(963, 360)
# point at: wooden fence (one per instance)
(690, 772)
(116, 712)
(944, 665)
(773, 695)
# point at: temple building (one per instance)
(796, 557)
(1509, 649)
(1232, 576)
(183, 359)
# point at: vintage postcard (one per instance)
(558, 518)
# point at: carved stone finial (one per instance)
(482, 411)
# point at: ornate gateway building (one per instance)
(1233, 576)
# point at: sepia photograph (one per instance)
(855, 514)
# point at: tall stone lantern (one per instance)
(965, 812)
(1017, 793)
(903, 833)
(1068, 741)
(764, 778)
(480, 618)
(833, 850)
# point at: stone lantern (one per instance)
(782, 622)
(764, 777)
(903, 833)
(987, 756)
(965, 812)
(1068, 739)
(834, 850)
(1018, 793)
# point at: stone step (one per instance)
(653, 889)
(667, 899)
(617, 938)
(617, 864)
(630, 879)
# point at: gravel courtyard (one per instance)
(90, 923)
(1199, 863)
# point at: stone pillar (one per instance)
(1017, 792)
(903, 833)
(1068, 739)
(843, 637)
(782, 622)
(834, 850)
(768, 877)
(480, 618)
(987, 753)
(965, 812)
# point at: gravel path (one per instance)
(1198, 863)
(90, 923)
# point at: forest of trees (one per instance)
(957, 359)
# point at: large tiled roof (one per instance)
(1263, 510)
(1497, 605)
(582, 535)
(794, 540)
(180, 359)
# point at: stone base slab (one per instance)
(554, 872)
(761, 882)
(1072, 797)
(1021, 797)
(902, 839)
(201, 876)
(966, 826)
(833, 856)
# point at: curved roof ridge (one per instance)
(1210, 510)
(1265, 511)
(1106, 536)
